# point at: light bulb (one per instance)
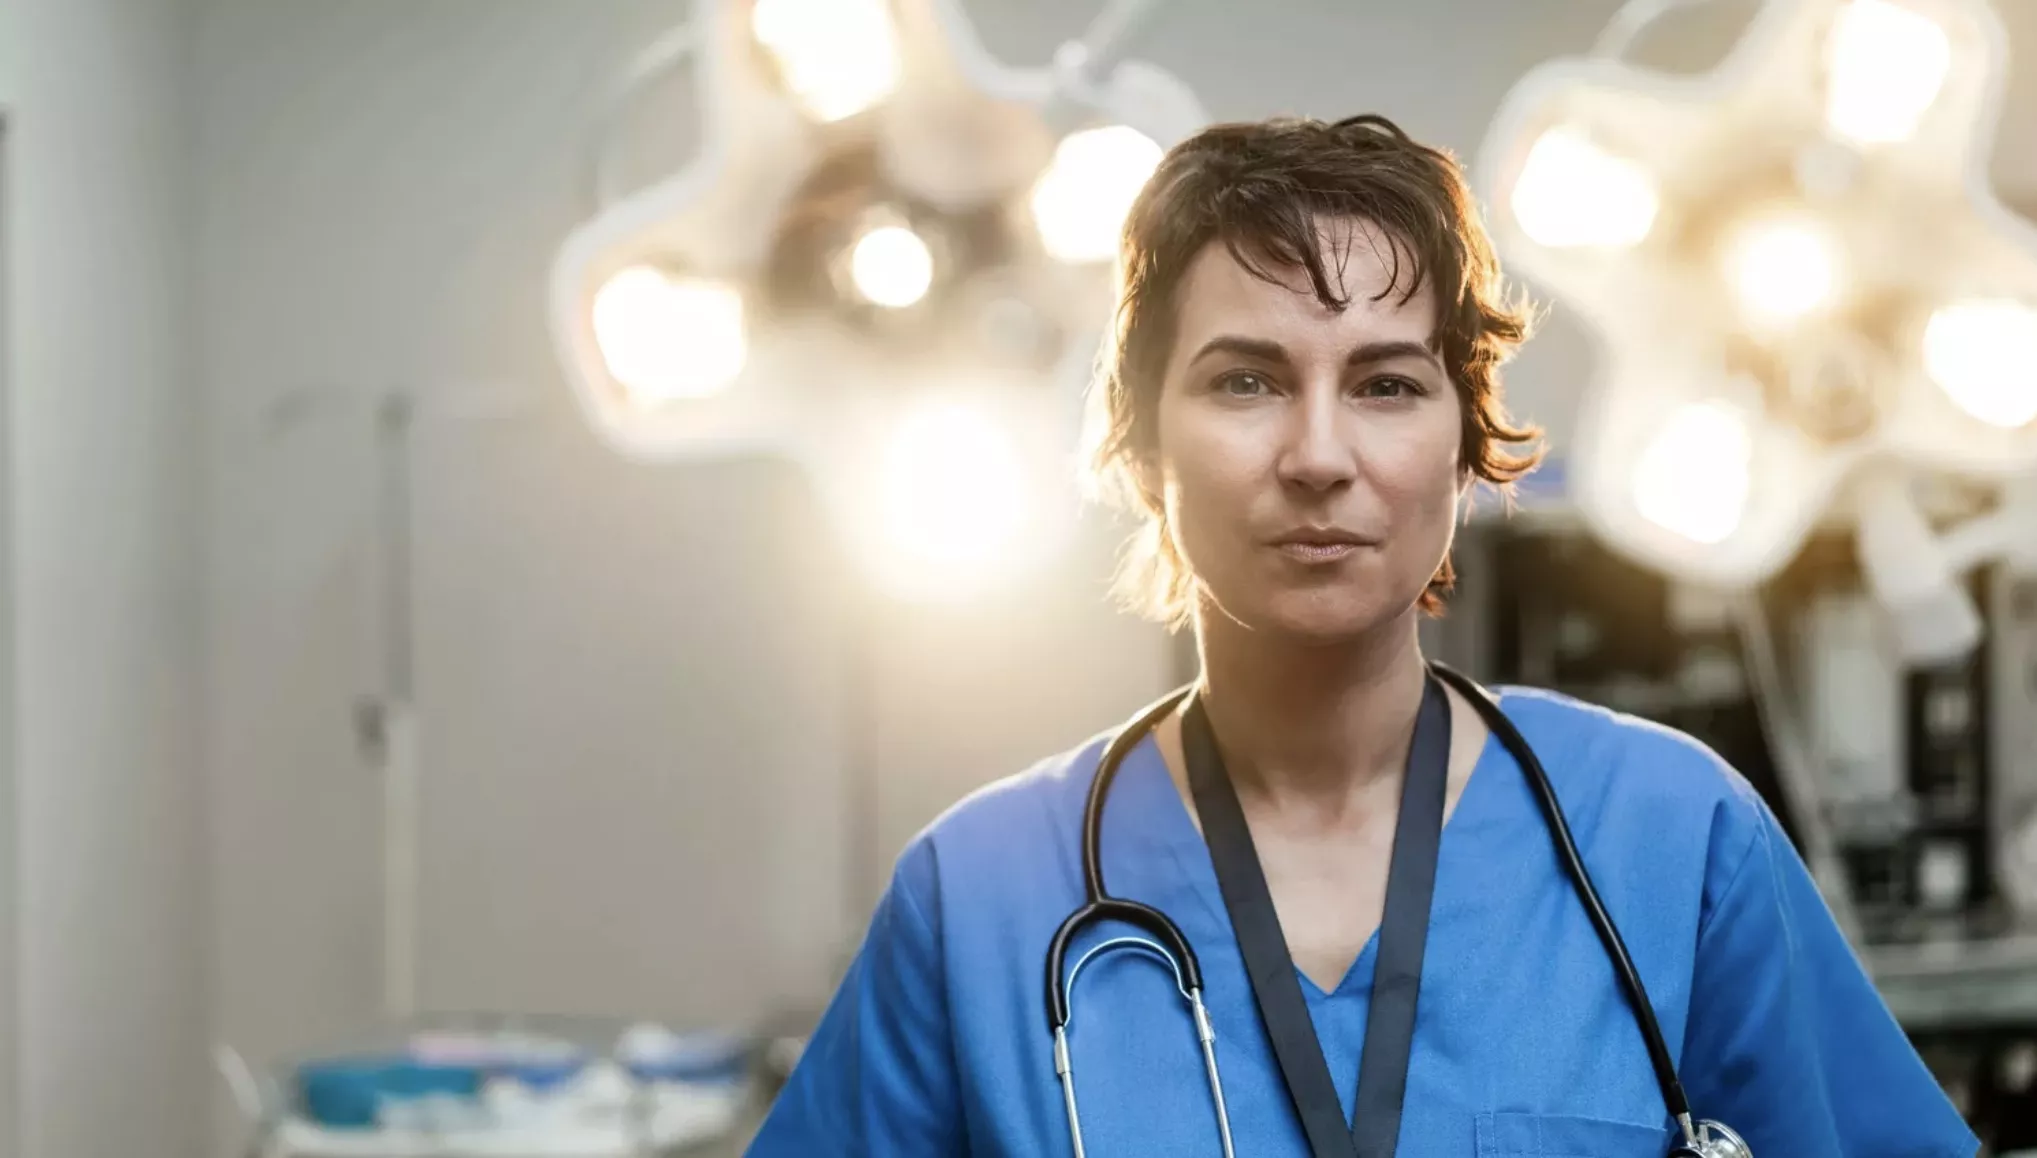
(837, 57)
(1983, 354)
(1694, 476)
(1885, 66)
(953, 492)
(1782, 270)
(1571, 193)
(891, 266)
(1080, 203)
(666, 339)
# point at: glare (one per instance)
(953, 492)
(1983, 354)
(666, 339)
(1782, 270)
(838, 57)
(1694, 476)
(1885, 65)
(891, 266)
(1081, 201)
(1571, 193)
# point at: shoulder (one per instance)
(1018, 829)
(1635, 752)
(1596, 746)
(1640, 783)
(1015, 808)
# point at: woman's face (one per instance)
(1309, 459)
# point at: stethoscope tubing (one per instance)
(1100, 905)
(1587, 892)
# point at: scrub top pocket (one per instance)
(1524, 1135)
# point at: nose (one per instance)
(1318, 452)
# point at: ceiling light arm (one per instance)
(1634, 19)
(653, 63)
(1082, 67)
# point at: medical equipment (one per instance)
(887, 263)
(1806, 294)
(1403, 930)
(575, 1088)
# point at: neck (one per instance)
(1302, 720)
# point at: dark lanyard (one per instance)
(1403, 934)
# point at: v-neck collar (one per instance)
(1150, 791)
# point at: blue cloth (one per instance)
(937, 1041)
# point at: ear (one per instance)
(1144, 465)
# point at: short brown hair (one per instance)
(1262, 188)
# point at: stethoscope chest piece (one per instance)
(1711, 1140)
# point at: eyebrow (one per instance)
(1262, 350)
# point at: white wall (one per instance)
(381, 188)
(107, 1017)
(10, 850)
(630, 677)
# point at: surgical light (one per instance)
(1885, 66)
(1079, 204)
(1820, 240)
(667, 339)
(837, 57)
(953, 493)
(1983, 354)
(1695, 474)
(891, 266)
(1572, 193)
(881, 219)
(1782, 269)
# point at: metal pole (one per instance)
(860, 756)
(1796, 766)
(397, 716)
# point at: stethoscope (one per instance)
(1700, 1139)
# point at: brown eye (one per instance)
(1243, 384)
(1391, 386)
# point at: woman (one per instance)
(1301, 391)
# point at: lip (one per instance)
(1323, 537)
(1321, 544)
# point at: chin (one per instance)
(1328, 617)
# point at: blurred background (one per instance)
(518, 510)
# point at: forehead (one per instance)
(1365, 266)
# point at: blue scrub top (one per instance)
(937, 1041)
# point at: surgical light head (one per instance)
(1797, 272)
(885, 233)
